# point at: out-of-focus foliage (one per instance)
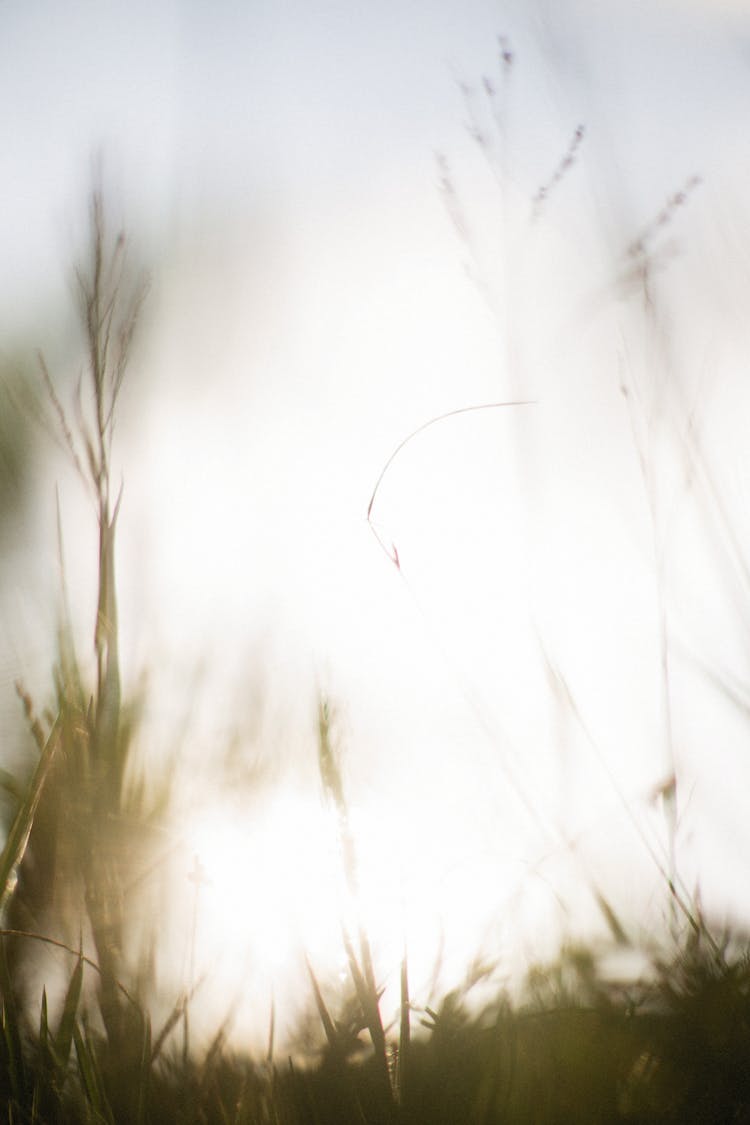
(672, 1049)
(17, 440)
(80, 835)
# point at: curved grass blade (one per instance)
(391, 551)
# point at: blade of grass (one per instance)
(43, 1026)
(11, 1028)
(6, 932)
(144, 1071)
(18, 837)
(91, 1076)
(325, 1016)
(391, 551)
(64, 1035)
(404, 1038)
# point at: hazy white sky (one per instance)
(312, 303)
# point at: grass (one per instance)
(572, 1044)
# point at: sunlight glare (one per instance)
(265, 893)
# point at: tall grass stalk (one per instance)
(81, 830)
(644, 255)
(359, 957)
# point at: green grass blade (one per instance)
(64, 1036)
(169, 1026)
(144, 1077)
(325, 1017)
(11, 1029)
(18, 837)
(13, 1054)
(404, 1038)
(91, 1078)
(44, 1025)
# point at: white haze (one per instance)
(313, 304)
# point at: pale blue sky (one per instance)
(321, 102)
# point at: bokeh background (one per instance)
(356, 219)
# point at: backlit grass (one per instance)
(572, 1042)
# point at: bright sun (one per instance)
(509, 549)
(265, 896)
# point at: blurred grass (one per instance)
(15, 443)
(573, 1045)
(673, 1049)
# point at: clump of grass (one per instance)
(78, 831)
